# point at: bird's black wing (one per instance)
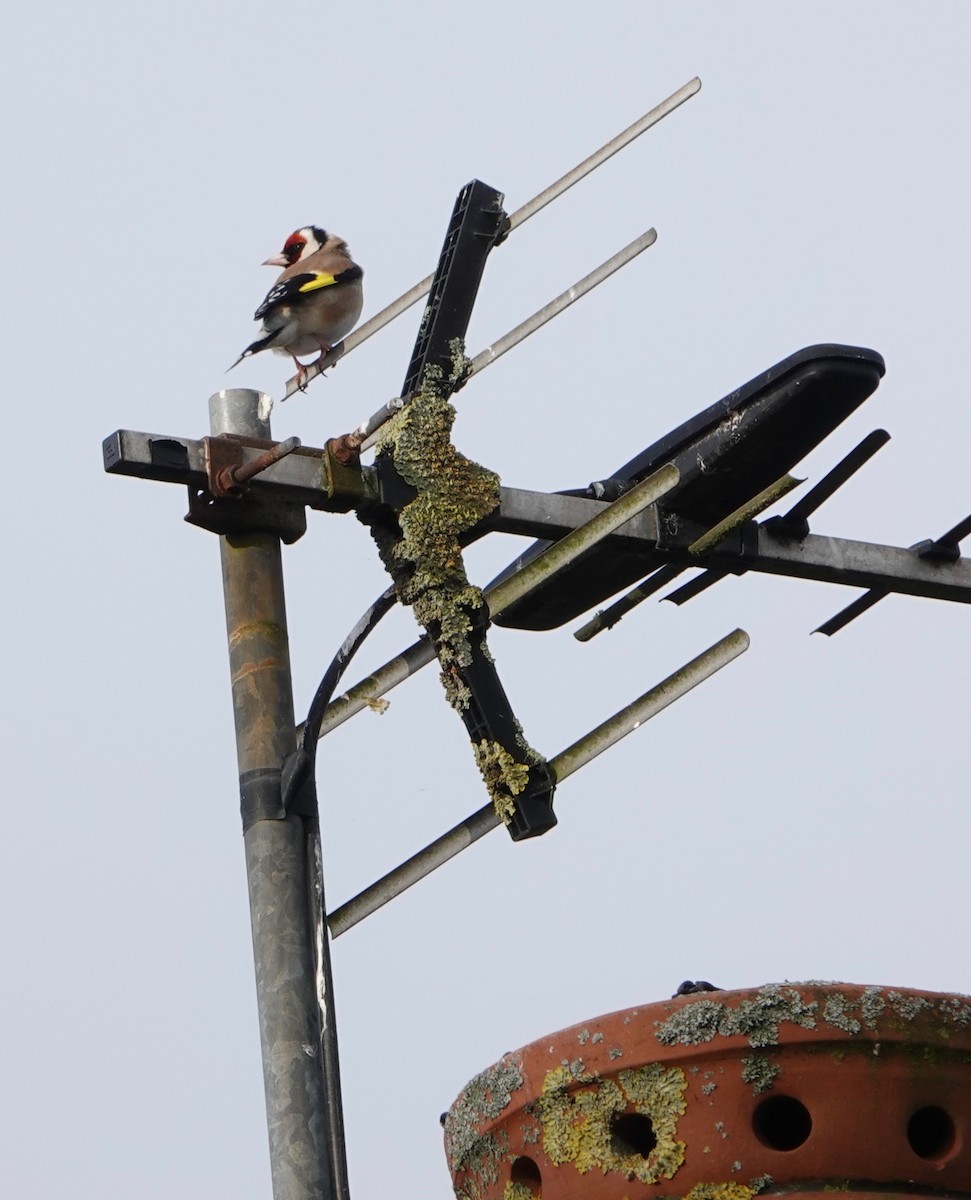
(289, 291)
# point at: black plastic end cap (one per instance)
(533, 814)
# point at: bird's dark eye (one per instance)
(293, 250)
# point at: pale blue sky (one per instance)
(803, 815)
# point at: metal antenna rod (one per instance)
(560, 554)
(957, 533)
(506, 593)
(488, 356)
(368, 430)
(521, 215)
(607, 618)
(572, 759)
(751, 508)
(832, 481)
(745, 512)
(231, 479)
(853, 610)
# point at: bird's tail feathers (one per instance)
(254, 348)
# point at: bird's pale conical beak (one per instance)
(276, 261)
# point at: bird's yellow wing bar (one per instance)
(321, 279)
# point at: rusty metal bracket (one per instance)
(222, 455)
(221, 507)
(346, 449)
(225, 469)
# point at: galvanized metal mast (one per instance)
(297, 1105)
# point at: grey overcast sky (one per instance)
(803, 815)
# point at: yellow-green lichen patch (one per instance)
(531, 1132)
(423, 554)
(838, 1013)
(516, 1191)
(908, 1007)
(720, 1191)
(871, 1006)
(759, 1072)
(484, 1159)
(483, 1099)
(892, 1011)
(757, 1019)
(469, 1189)
(956, 1009)
(453, 495)
(578, 1120)
(504, 777)
(691, 1025)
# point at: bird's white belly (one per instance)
(295, 338)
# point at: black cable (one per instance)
(299, 768)
(350, 646)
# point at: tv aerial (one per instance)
(694, 499)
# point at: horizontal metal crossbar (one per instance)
(857, 564)
(299, 477)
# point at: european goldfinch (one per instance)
(316, 300)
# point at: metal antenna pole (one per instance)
(275, 844)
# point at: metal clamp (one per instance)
(225, 468)
(222, 508)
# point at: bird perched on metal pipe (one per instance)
(315, 302)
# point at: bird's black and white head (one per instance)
(299, 245)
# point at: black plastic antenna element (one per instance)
(795, 523)
(726, 455)
(477, 224)
(488, 716)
